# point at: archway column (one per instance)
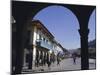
(31, 49)
(84, 48)
(21, 15)
(20, 45)
(84, 32)
(83, 14)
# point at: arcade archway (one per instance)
(23, 12)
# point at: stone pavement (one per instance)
(66, 64)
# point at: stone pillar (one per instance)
(43, 57)
(30, 59)
(34, 43)
(21, 29)
(24, 63)
(39, 57)
(30, 50)
(84, 48)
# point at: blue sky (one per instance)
(92, 26)
(63, 24)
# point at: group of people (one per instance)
(46, 58)
(49, 58)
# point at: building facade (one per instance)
(40, 46)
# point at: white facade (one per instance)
(57, 48)
(39, 35)
(42, 42)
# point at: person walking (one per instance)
(58, 59)
(74, 58)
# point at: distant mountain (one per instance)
(91, 48)
(92, 44)
(72, 50)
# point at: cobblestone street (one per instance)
(66, 64)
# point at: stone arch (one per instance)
(43, 7)
(23, 13)
(74, 21)
(83, 31)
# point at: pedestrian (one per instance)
(58, 59)
(74, 58)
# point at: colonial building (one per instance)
(40, 44)
(57, 47)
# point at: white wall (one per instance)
(59, 48)
(44, 36)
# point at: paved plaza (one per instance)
(66, 64)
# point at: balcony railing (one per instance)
(44, 44)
